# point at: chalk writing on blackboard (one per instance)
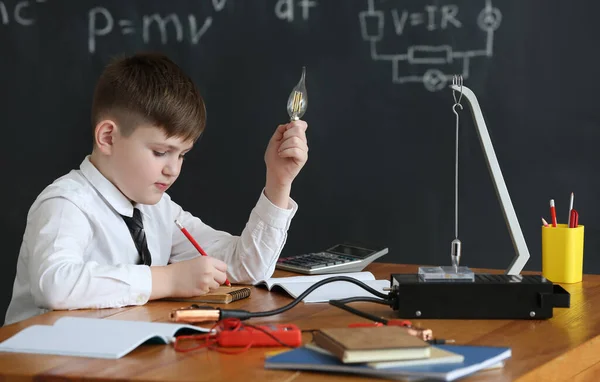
(431, 64)
(19, 13)
(173, 27)
(286, 9)
(101, 22)
(431, 17)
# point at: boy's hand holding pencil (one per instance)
(197, 276)
(200, 250)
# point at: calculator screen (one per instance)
(351, 251)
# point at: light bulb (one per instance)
(298, 101)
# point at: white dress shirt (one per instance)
(77, 251)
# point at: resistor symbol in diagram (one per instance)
(431, 59)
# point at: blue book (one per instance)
(476, 358)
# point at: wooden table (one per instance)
(560, 348)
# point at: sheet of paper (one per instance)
(334, 291)
(313, 279)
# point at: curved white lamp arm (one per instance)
(522, 253)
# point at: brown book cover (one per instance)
(372, 344)
(223, 295)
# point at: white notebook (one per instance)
(336, 290)
(93, 337)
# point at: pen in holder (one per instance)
(562, 253)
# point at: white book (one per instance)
(336, 290)
(93, 337)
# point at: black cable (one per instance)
(439, 341)
(342, 305)
(315, 286)
(348, 300)
(244, 314)
(384, 300)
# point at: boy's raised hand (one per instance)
(286, 154)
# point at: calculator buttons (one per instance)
(315, 260)
(327, 261)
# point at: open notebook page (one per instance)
(336, 290)
(93, 337)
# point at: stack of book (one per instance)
(388, 352)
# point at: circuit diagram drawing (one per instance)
(427, 62)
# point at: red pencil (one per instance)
(195, 243)
(553, 213)
(545, 223)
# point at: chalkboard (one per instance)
(381, 127)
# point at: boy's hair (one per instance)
(149, 88)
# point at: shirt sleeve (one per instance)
(250, 257)
(58, 233)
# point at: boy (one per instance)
(92, 235)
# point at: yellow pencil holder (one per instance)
(562, 253)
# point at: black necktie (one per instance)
(136, 228)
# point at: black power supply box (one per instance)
(488, 296)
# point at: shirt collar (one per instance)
(108, 191)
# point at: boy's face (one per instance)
(145, 164)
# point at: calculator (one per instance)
(337, 259)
